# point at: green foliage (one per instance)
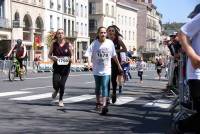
(173, 26)
(50, 38)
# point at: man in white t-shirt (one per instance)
(190, 42)
(101, 51)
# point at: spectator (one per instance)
(190, 39)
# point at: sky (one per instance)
(175, 10)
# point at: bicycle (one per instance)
(15, 71)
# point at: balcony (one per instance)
(4, 23)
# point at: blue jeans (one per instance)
(101, 83)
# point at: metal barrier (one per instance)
(183, 96)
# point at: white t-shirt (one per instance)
(140, 65)
(192, 30)
(101, 54)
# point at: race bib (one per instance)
(63, 61)
(159, 67)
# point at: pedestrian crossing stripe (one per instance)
(77, 98)
(161, 103)
(33, 97)
(123, 99)
(12, 93)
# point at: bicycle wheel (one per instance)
(12, 73)
(23, 73)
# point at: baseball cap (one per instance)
(195, 11)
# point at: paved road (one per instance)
(27, 107)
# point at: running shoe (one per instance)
(98, 106)
(114, 98)
(61, 104)
(104, 110)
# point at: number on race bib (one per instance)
(63, 61)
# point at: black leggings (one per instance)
(140, 73)
(114, 74)
(59, 83)
(191, 124)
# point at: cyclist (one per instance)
(20, 52)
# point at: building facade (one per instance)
(149, 25)
(5, 20)
(5, 27)
(101, 13)
(28, 23)
(126, 20)
(82, 25)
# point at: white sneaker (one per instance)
(61, 104)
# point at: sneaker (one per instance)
(104, 110)
(61, 104)
(98, 106)
(54, 94)
(114, 98)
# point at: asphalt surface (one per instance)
(27, 106)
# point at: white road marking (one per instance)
(161, 103)
(90, 82)
(12, 93)
(35, 88)
(77, 98)
(33, 97)
(122, 100)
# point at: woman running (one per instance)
(114, 34)
(61, 54)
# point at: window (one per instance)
(92, 8)
(69, 26)
(69, 7)
(119, 19)
(133, 21)
(85, 11)
(77, 10)
(58, 22)
(58, 5)
(51, 22)
(77, 27)
(2, 9)
(107, 9)
(65, 26)
(81, 10)
(129, 21)
(65, 6)
(86, 30)
(81, 29)
(51, 4)
(113, 11)
(92, 25)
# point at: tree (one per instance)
(50, 38)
